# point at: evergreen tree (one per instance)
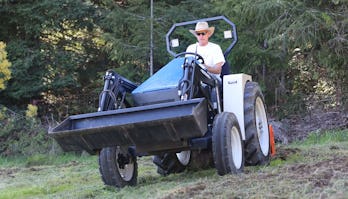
(60, 49)
(54, 48)
(126, 30)
(274, 33)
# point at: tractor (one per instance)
(182, 116)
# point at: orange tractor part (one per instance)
(271, 141)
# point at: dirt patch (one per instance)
(320, 173)
(187, 192)
(284, 153)
(71, 164)
(298, 127)
(8, 172)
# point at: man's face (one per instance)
(202, 37)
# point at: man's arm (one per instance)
(215, 69)
(218, 59)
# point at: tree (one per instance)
(5, 72)
(59, 50)
(274, 33)
(54, 48)
(126, 30)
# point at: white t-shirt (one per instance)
(211, 53)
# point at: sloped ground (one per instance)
(297, 128)
(307, 174)
(297, 171)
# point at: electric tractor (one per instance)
(182, 116)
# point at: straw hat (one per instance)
(203, 26)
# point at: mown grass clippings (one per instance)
(297, 171)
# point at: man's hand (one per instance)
(215, 69)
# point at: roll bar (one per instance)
(233, 30)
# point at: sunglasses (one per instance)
(201, 33)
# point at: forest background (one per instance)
(53, 55)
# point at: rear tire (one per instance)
(168, 163)
(227, 144)
(201, 159)
(118, 168)
(257, 147)
(184, 157)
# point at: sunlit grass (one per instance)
(77, 176)
(326, 137)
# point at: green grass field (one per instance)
(314, 168)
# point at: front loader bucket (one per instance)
(150, 128)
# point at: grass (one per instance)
(314, 168)
(326, 137)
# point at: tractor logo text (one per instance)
(232, 82)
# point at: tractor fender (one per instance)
(233, 96)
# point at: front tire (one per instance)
(257, 146)
(227, 144)
(118, 167)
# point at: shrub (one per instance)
(24, 136)
(31, 111)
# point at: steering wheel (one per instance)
(199, 57)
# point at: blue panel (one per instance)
(166, 77)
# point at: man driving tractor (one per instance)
(212, 54)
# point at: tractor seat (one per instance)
(225, 70)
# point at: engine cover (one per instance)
(162, 86)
